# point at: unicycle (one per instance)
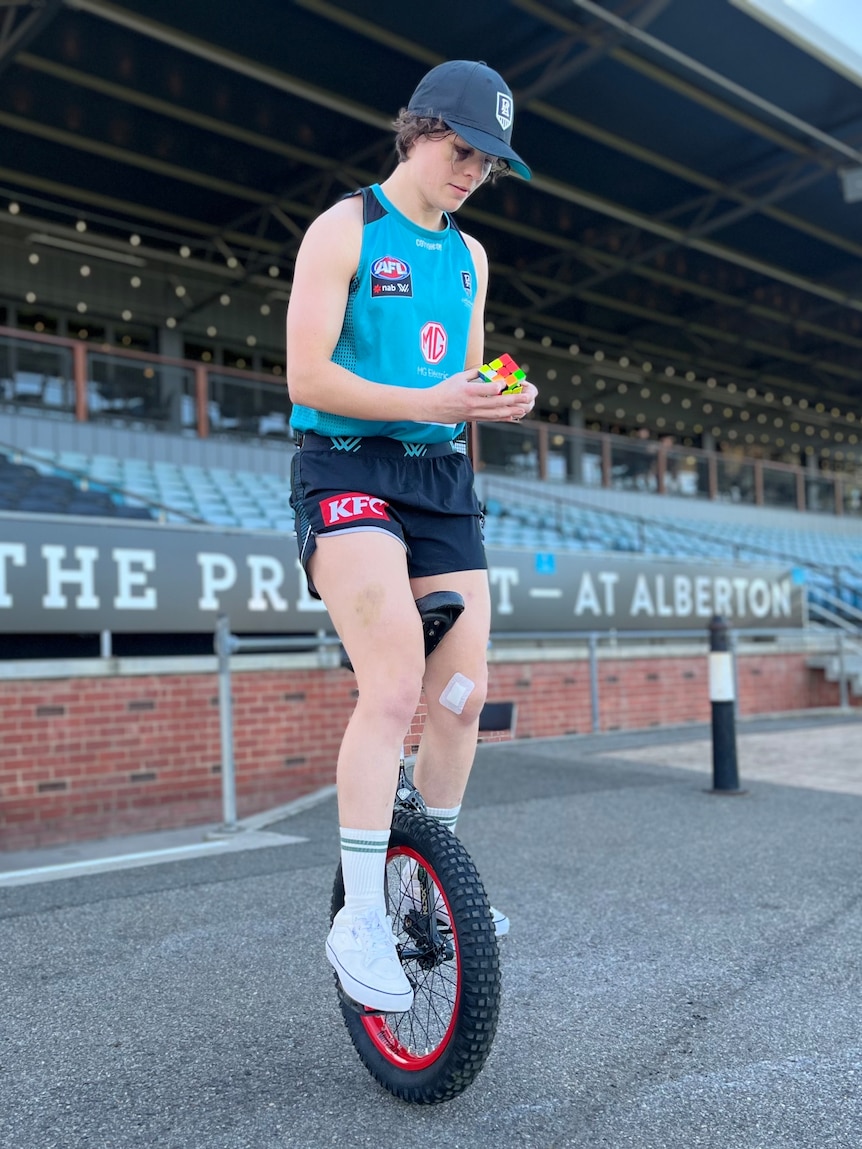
(445, 939)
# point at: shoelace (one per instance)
(379, 938)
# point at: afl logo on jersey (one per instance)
(391, 276)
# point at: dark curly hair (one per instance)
(409, 127)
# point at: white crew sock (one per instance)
(447, 817)
(363, 864)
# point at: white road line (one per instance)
(243, 840)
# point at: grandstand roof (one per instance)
(686, 210)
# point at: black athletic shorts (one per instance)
(422, 493)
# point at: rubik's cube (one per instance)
(505, 371)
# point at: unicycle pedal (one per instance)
(356, 1006)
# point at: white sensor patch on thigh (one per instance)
(458, 690)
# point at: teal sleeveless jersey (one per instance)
(407, 321)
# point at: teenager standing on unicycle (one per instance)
(385, 335)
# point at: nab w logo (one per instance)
(391, 278)
(434, 341)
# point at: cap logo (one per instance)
(504, 110)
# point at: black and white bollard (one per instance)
(722, 695)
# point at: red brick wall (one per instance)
(92, 757)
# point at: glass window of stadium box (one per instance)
(510, 448)
(634, 464)
(39, 321)
(89, 332)
(248, 408)
(780, 486)
(820, 495)
(686, 473)
(735, 479)
(36, 376)
(141, 393)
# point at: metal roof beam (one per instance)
(185, 228)
(764, 107)
(172, 110)
(231, 61)
(15, 36)
(131, 158)
(736, 192)
(706, 226)
(679, 236)
(630, 342)
(592, 256)
(680, 323)
(565, 64)
(676, 236)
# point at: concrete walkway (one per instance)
(682, 973)
(818, 758)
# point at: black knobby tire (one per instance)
(432, 1052)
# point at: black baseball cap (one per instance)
(476, 102)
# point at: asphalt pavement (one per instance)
(683, 968)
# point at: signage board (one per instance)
(60, 574)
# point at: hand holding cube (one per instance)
(504, 371)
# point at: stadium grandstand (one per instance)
(679, 280)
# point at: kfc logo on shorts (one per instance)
(434, 341)
(352, 507)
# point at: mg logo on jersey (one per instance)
(348, 508)
(434, 341)
(388, 267)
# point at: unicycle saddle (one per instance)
(439, 611)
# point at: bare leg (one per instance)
(362, 578)
(448, 743)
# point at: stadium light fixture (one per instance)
(75, 248)
(851, 184)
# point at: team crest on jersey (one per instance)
(391, 276)
(467, 282)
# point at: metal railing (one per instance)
(556, 453)
(823, 643)
(227, 644)
(73, 379)
(838, 613)
(70, 378)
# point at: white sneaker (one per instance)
(361, 950)
(414, 895)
